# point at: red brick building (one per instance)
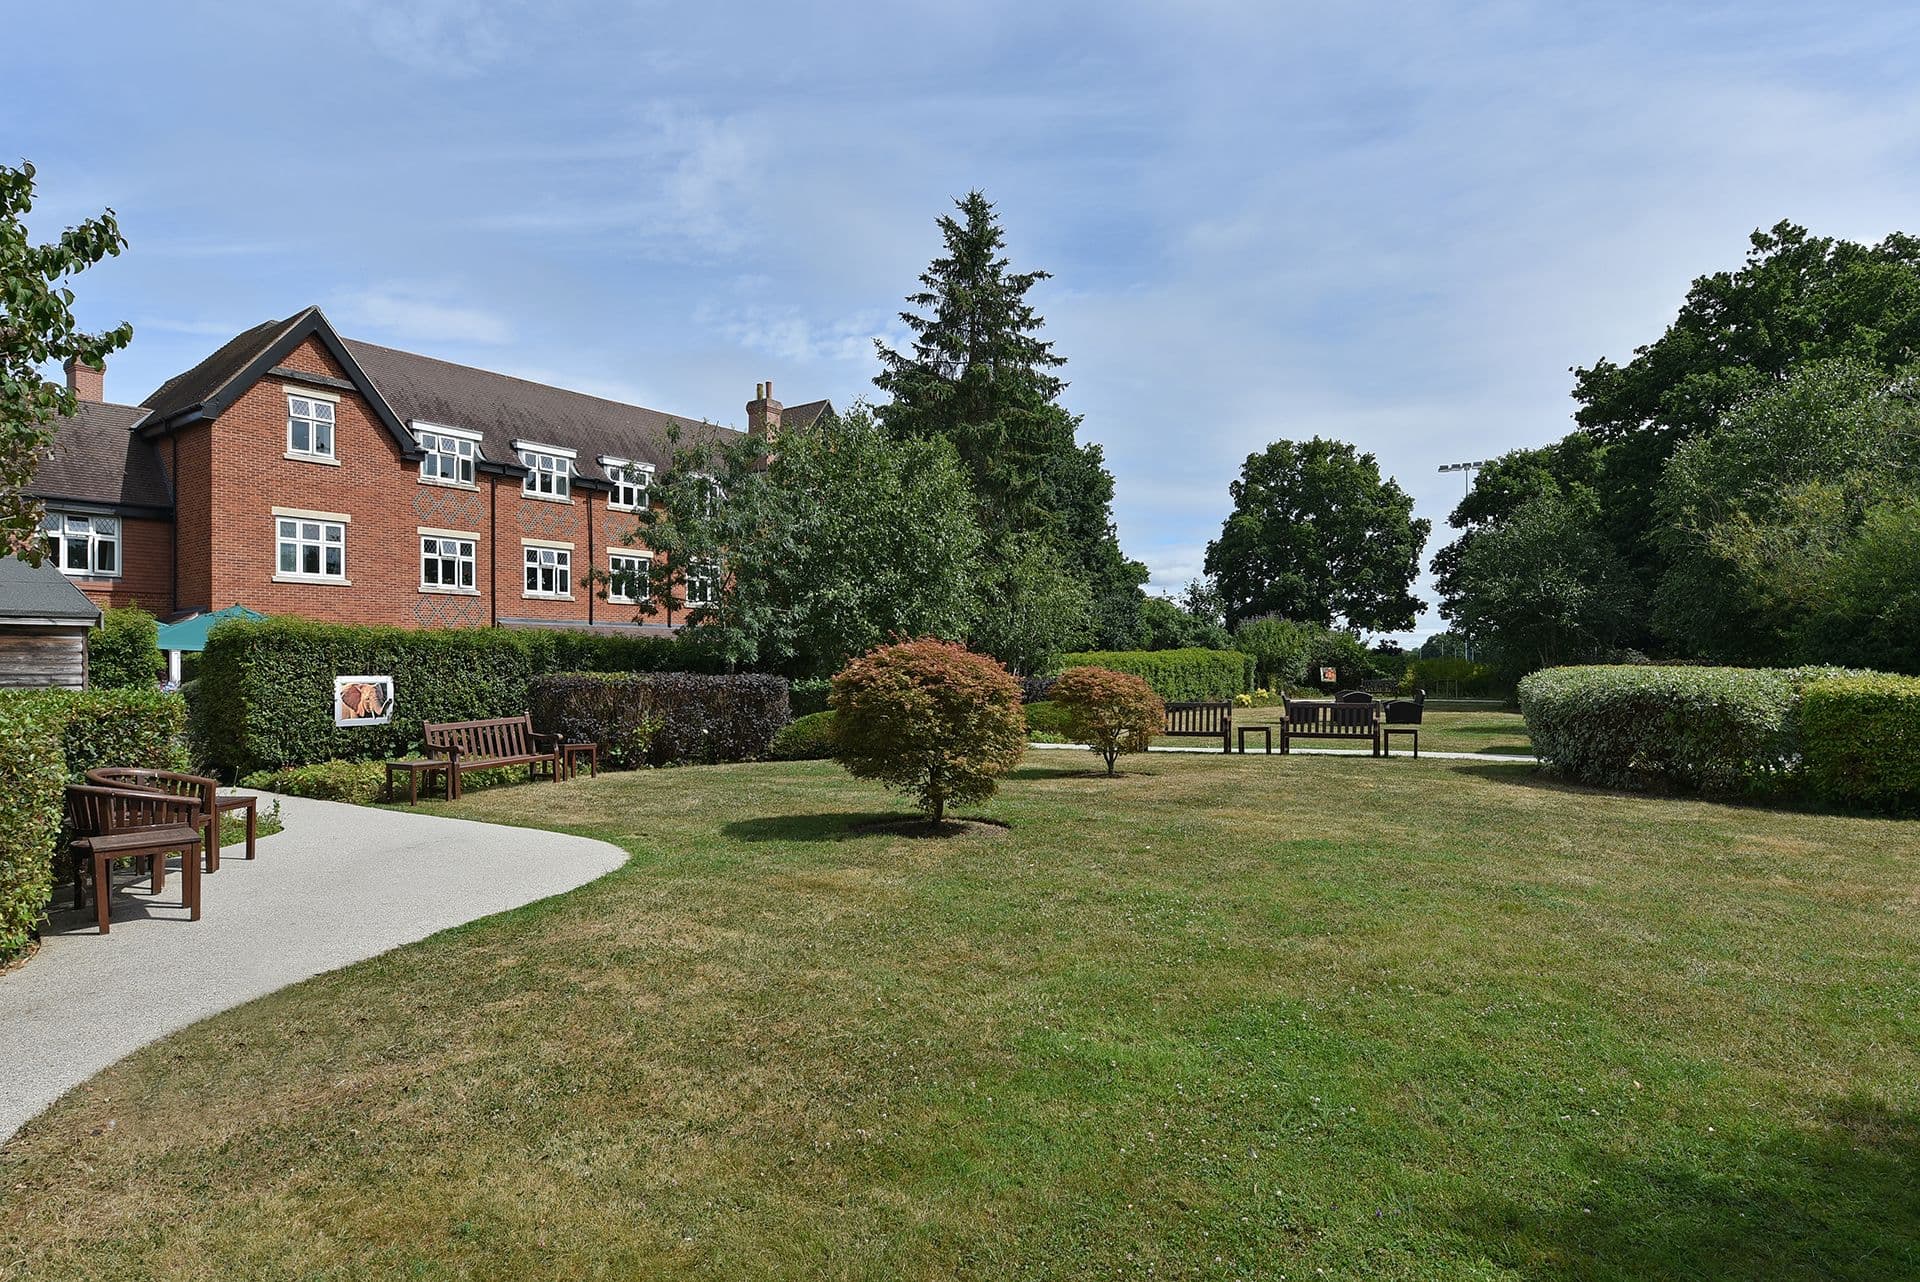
(296, 472)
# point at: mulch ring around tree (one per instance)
(947, 828)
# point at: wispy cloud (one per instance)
(410, 316)
(438, 37)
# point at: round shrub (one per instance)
(1860, 742)
(930, 718)
(808, 738)
(123, 653)
(1111, 712)
(359, 782)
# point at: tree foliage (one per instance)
(1316, 535)
(1031, 606)
(1110, 712)
(841, 539)
(37, 327)
(929, 718)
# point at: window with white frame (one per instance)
(549, 572)
(549, 475)
(627, 584)
(703, 582)
(311, 548)
(309, 426)
(447, 457)
(83, 545)
(446, 564)
(630, 483)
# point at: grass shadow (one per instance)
(1841, 1200)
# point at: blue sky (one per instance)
(1398, 224)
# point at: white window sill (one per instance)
(625, 600)
(429, 590)
(546, 498)
(449, 485)
(543, 596)
(90, 576)
(311, 458)
(322, 579)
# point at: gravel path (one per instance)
(342, 883)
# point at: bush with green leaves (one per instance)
(1046, 721)
(1452, 677)
(663, 718)
(112, 727)
(359, 782)
(808, 738)
(1178, 676)
(1110, 712)
(32, 776)
(264, 697)
(123, 653)
(930, 718)
(1719, 731)
(1862, 741)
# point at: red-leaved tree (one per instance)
(930, 718)
(1111, 712)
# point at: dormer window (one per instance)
(630, 483)
(549, 471)
(310, 426)
(447, 454)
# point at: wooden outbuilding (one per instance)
(44, 622)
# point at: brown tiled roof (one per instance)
(804, 416)
(199, 384)
(98, 458)
(504, 409)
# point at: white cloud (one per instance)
(408, 316)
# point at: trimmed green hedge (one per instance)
(359, 782)
(264, 697)
(112, 727)
(123, 653)
(808, 738)
(1178, 676)
(1720, 731)
(1451, 677)
(663, 718)
(32, 775)
(1862, 737)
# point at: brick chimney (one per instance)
(89, 382)
(763, 412)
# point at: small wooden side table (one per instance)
(1265, 733)
(221, 805)
(571, 752)
(415, 767)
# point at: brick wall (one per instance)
(146, 569)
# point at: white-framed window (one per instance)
(630, 483)
(703, 582)
(446, 563)
(83, 545)
(629, 583)
(549, 472)
(309, 426)
(711, 492)
(447, 456)
(549, 572)
(311, 548)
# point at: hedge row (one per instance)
(1862, 736)
(123, 653)
(264, 697)
(665, 718)
(48, 739)
(1178, 676)
(1720, 731)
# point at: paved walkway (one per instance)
(342, 883)
(1254, 750)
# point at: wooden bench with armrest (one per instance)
(196, 787)
(491, 743)
(105, 824)
(1201, 721)
(1316, 719)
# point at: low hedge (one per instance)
(1719, 731)
(1862, 737)
(663, 718)
(32, 775)
(264, 696)
(359, 782)
(1452, 677)
(1178, 676)
(808, 738)
(123, 653)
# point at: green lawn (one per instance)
(1243, 1018)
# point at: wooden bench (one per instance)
(1315, 719)
(197, 787)
(105, 824)
(490, 744)
(1201, 721)
(1403, 718)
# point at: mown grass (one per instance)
(1217, 1018)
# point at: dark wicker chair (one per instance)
(1403, 717)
